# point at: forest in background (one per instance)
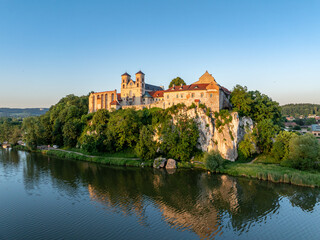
(22, 112)
(298, 109)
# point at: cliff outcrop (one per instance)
(223, 138)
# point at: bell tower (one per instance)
(140, 82)
(125, 78)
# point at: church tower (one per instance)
(140, 82)
(125, 78)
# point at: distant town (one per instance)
(303, 124)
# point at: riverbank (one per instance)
(261, 171)
(273, 173)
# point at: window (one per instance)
(177, 96)
(123, 86)
(192, 95)
(137, 84)
(201, 94)
(131, 84)
(181, 95)
(211, 95)
(168, 96)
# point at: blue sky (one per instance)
(51, 48)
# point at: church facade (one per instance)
(138, 94)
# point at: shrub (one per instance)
(213, 161)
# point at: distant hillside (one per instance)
(300, 109)
(22, 112)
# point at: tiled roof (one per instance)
(140, 72)
(188, 87)
(226, 90)
(152, 87)
(157, 94)
(114, 103)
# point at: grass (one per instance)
(124, 154)
(117, 161)
(265, 158)
(273, 173)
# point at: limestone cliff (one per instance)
(226, 138)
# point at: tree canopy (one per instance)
(177, 81)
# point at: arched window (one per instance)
(137, 84)
(106, 101)
(201, 94)
(123, 85)
(112, 97)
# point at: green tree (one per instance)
(177, 81)
(280, 149)
(33, 132)
(241, 100)
(146, 147)
(304, 152)
(247, 146)
(179, 140)
(266, 131)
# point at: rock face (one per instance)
(159, 162)
(171, 164)
(226, 139)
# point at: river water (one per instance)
(47, 198)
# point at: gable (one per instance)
(206, 78)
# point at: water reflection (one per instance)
(187, 200)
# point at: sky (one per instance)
(52, 48)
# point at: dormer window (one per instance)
(196, 87)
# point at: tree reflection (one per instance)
(187, 199)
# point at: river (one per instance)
(48, 198)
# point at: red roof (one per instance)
(156, 94)
(226, 90)
(201, 86)
(114, 103)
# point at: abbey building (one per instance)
(138, 94)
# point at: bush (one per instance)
(213, 161)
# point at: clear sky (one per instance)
(51, 48)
